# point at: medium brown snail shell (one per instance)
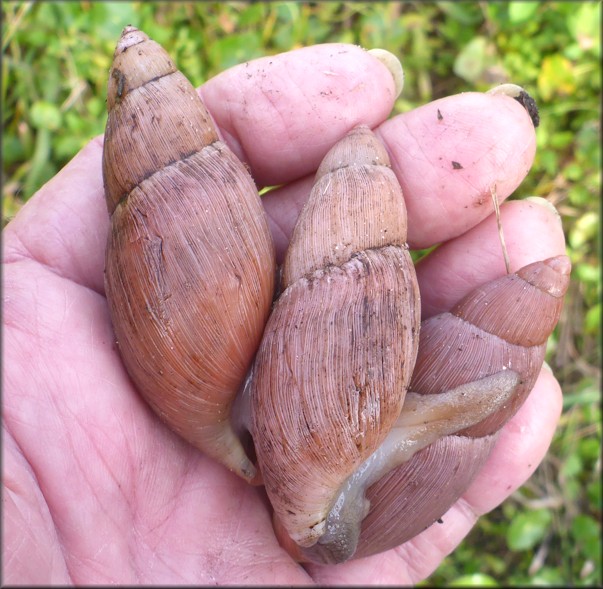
(337, 354)
(190, 263)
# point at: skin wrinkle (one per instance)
(267, 93)
(234, 542)
(73, 212)
(146, 559)
(408, 557)
(155, 549)
(17, 252)
(278, 232)
(70, 418)
(21, 252)
(434, 552)
(50, 513)
(469, 179)
(499, 164)
(430, 291)
(230, 126)
(113, 518)
(311, 100)
(178, 574)
(20, 553)
(162, 520)
(227, 131)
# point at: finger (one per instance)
(281, 114)
(490, 136)
(521, 447)
(532, 232)
(451, 153)
(64, 226)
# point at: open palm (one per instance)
(96, 488)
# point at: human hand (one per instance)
(96, 488)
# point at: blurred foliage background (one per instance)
(56, 57)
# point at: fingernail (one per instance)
(392, 63)
(519, 94)
(547, 204)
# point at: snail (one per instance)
(357, 411)
(480, 340)
(190, 264)
(339, 441)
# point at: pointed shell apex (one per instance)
(130, 36)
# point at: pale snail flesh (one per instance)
(352, 463)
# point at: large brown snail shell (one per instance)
(190, 262)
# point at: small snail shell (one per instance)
(331, 373)
(501, 326)
(190, 262)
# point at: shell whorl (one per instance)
(503, 324)
(357, 203)
(155, 117)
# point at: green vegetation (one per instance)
(55, 62)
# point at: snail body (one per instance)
(190, 264)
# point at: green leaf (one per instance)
(522, 11)
(572, 466)
(594, 494)
(592, 319)
(467, 13)
(589, 449)
(556, 78)
(234, 49)
(474, 580)
(528, 528)
(587, 396)
(547, 577)
(12, 150)
(45, 115)
(471, 62)
(585, 26)
(584, 229)
(588, 273)
(587, 534)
